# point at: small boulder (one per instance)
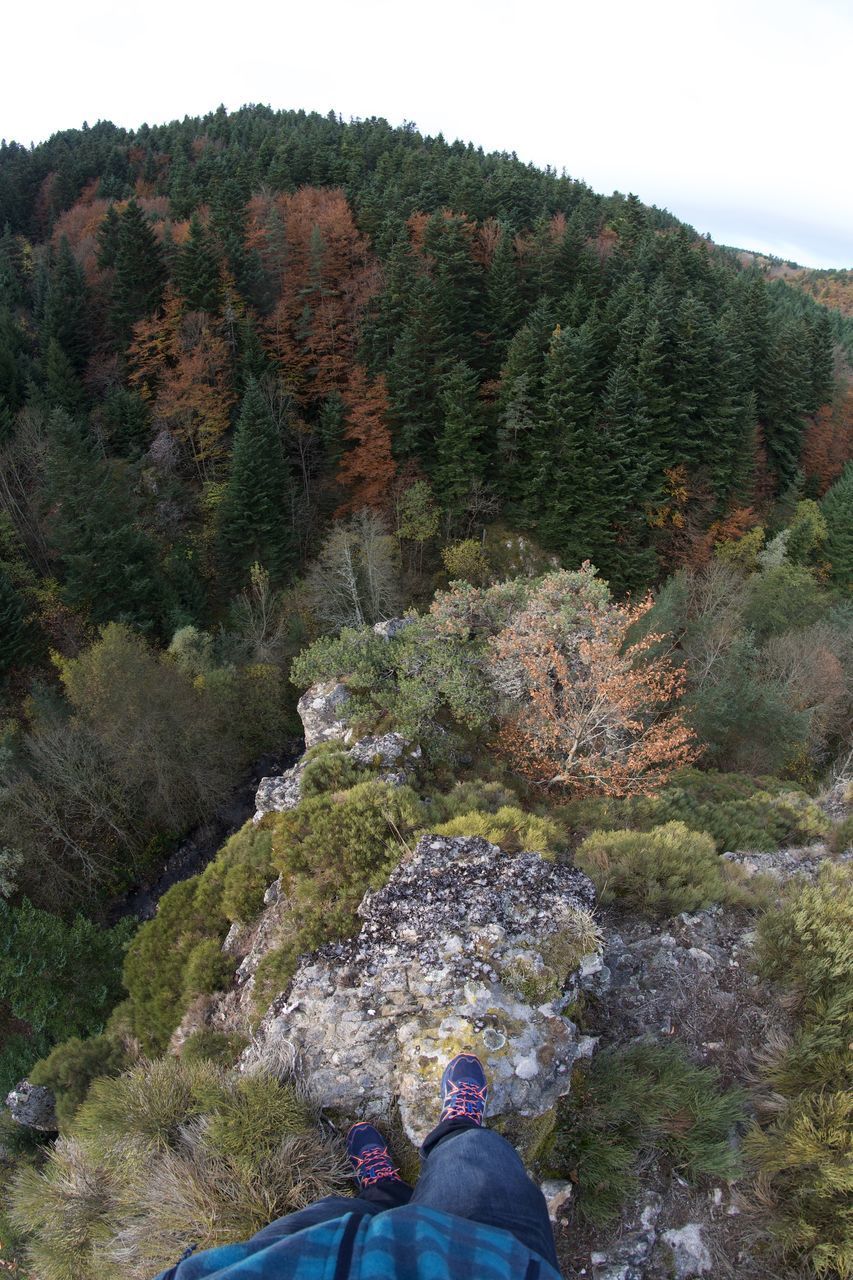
(690, 1254)
(33, 1106)
(321, 711)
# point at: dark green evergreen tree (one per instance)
(837, 507)
(66, 315)
(140, 273)
(197, 273)
(108, 564)
(459, 448)
(255, 513)
(19, 641)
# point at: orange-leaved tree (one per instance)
(367, 468)
(598, 710)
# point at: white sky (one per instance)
(735, 115)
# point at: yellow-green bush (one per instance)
(660, 872)
(510, 827)
(737, 811)
(172, 1154)
(69, 1069)
(803, 1160)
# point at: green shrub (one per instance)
(737, 811)
(70, 1068)
(803, 1161)
(62, 978)
(173, 1153)
(509, 827)
(329, 768)
(196, 911)
(804, 1172)
(841, 835)
(207, 969)
(659, 872)
(219, 1047)
(646, 1101)
(330, 850)
(807, 943)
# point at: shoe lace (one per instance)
(467, 1102)
(374, 1166)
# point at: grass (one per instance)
(647, 1100)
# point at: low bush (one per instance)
(220, 1047)
(738, 812)
(330, 850)
(70, 1068)
(509, 827)
(170, 1155)
(646, 1101)
(807, 942)
(803, 1159)
(177, 954)
(803, 1164)
(329, 768)
(659, 872)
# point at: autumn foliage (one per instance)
(367, 469)
(599, 710)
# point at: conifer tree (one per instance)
(65, 317)
(837, 508)
(459, 458)
(108, 564)
(62, 387)
(503, 299)
(197, 274)
(255, 512)
(140, 272)
(18, 638)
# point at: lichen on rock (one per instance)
(374, 1019)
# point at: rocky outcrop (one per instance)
(321, 711)
(448, 958)
(34, 1106)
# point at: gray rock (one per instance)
(690, 1254)
(34, 1106)
(321, 711)
(391, 627)
(376, 1018)
(557, 1193)
(390, 754)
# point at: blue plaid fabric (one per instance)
(406, 1243)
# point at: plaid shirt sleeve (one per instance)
(409, 1243)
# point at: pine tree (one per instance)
(459, 458)
(65, 316)
(140, 273)
(108, 565)
(18, 638)
(63, 389)
(837, 508)
(197, 274)
(503, 298)
(255, 512)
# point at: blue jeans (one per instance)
(467, 1171)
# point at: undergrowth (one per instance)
(647, 1100)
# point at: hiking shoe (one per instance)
(368, 1155)
(464, 1089)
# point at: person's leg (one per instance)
(475, 1173)
(380, 1188)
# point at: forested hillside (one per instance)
(268, 379)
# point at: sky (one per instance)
(734, 114)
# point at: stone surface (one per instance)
(391, 627)
(33, 1105)
(557, 1193)
(321, 711)
(374, 1019)
(690, 1254)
